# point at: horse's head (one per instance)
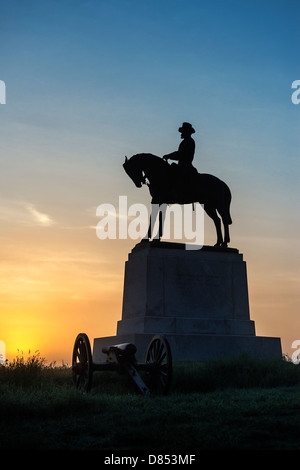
(134, 172)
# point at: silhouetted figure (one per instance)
(184, 171)
(186, 150)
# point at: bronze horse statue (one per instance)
(165, 188)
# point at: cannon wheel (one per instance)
(82, 364)
(159, 360)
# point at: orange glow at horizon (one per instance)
(51, 329)
(53, 288)
(56, 283)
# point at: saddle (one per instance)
(182, 186)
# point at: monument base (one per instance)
(197, 299)
(197, 347)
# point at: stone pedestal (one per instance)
(197, 299)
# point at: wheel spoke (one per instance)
(160, 347)
(163, 356)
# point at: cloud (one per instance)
(39, 217)
(12, 211)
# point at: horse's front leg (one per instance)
(152, 219)
(157, 211)
(148, 235)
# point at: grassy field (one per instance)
(240, 404)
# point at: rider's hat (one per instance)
(186, 126)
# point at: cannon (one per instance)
(156, 370)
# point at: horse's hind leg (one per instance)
(226, 235)
(212, 213)
(226, 219)
(225, 214)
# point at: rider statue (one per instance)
(184, 155)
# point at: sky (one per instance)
(88, 82)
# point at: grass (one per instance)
(240, 404)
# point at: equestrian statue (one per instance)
(181, 183)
